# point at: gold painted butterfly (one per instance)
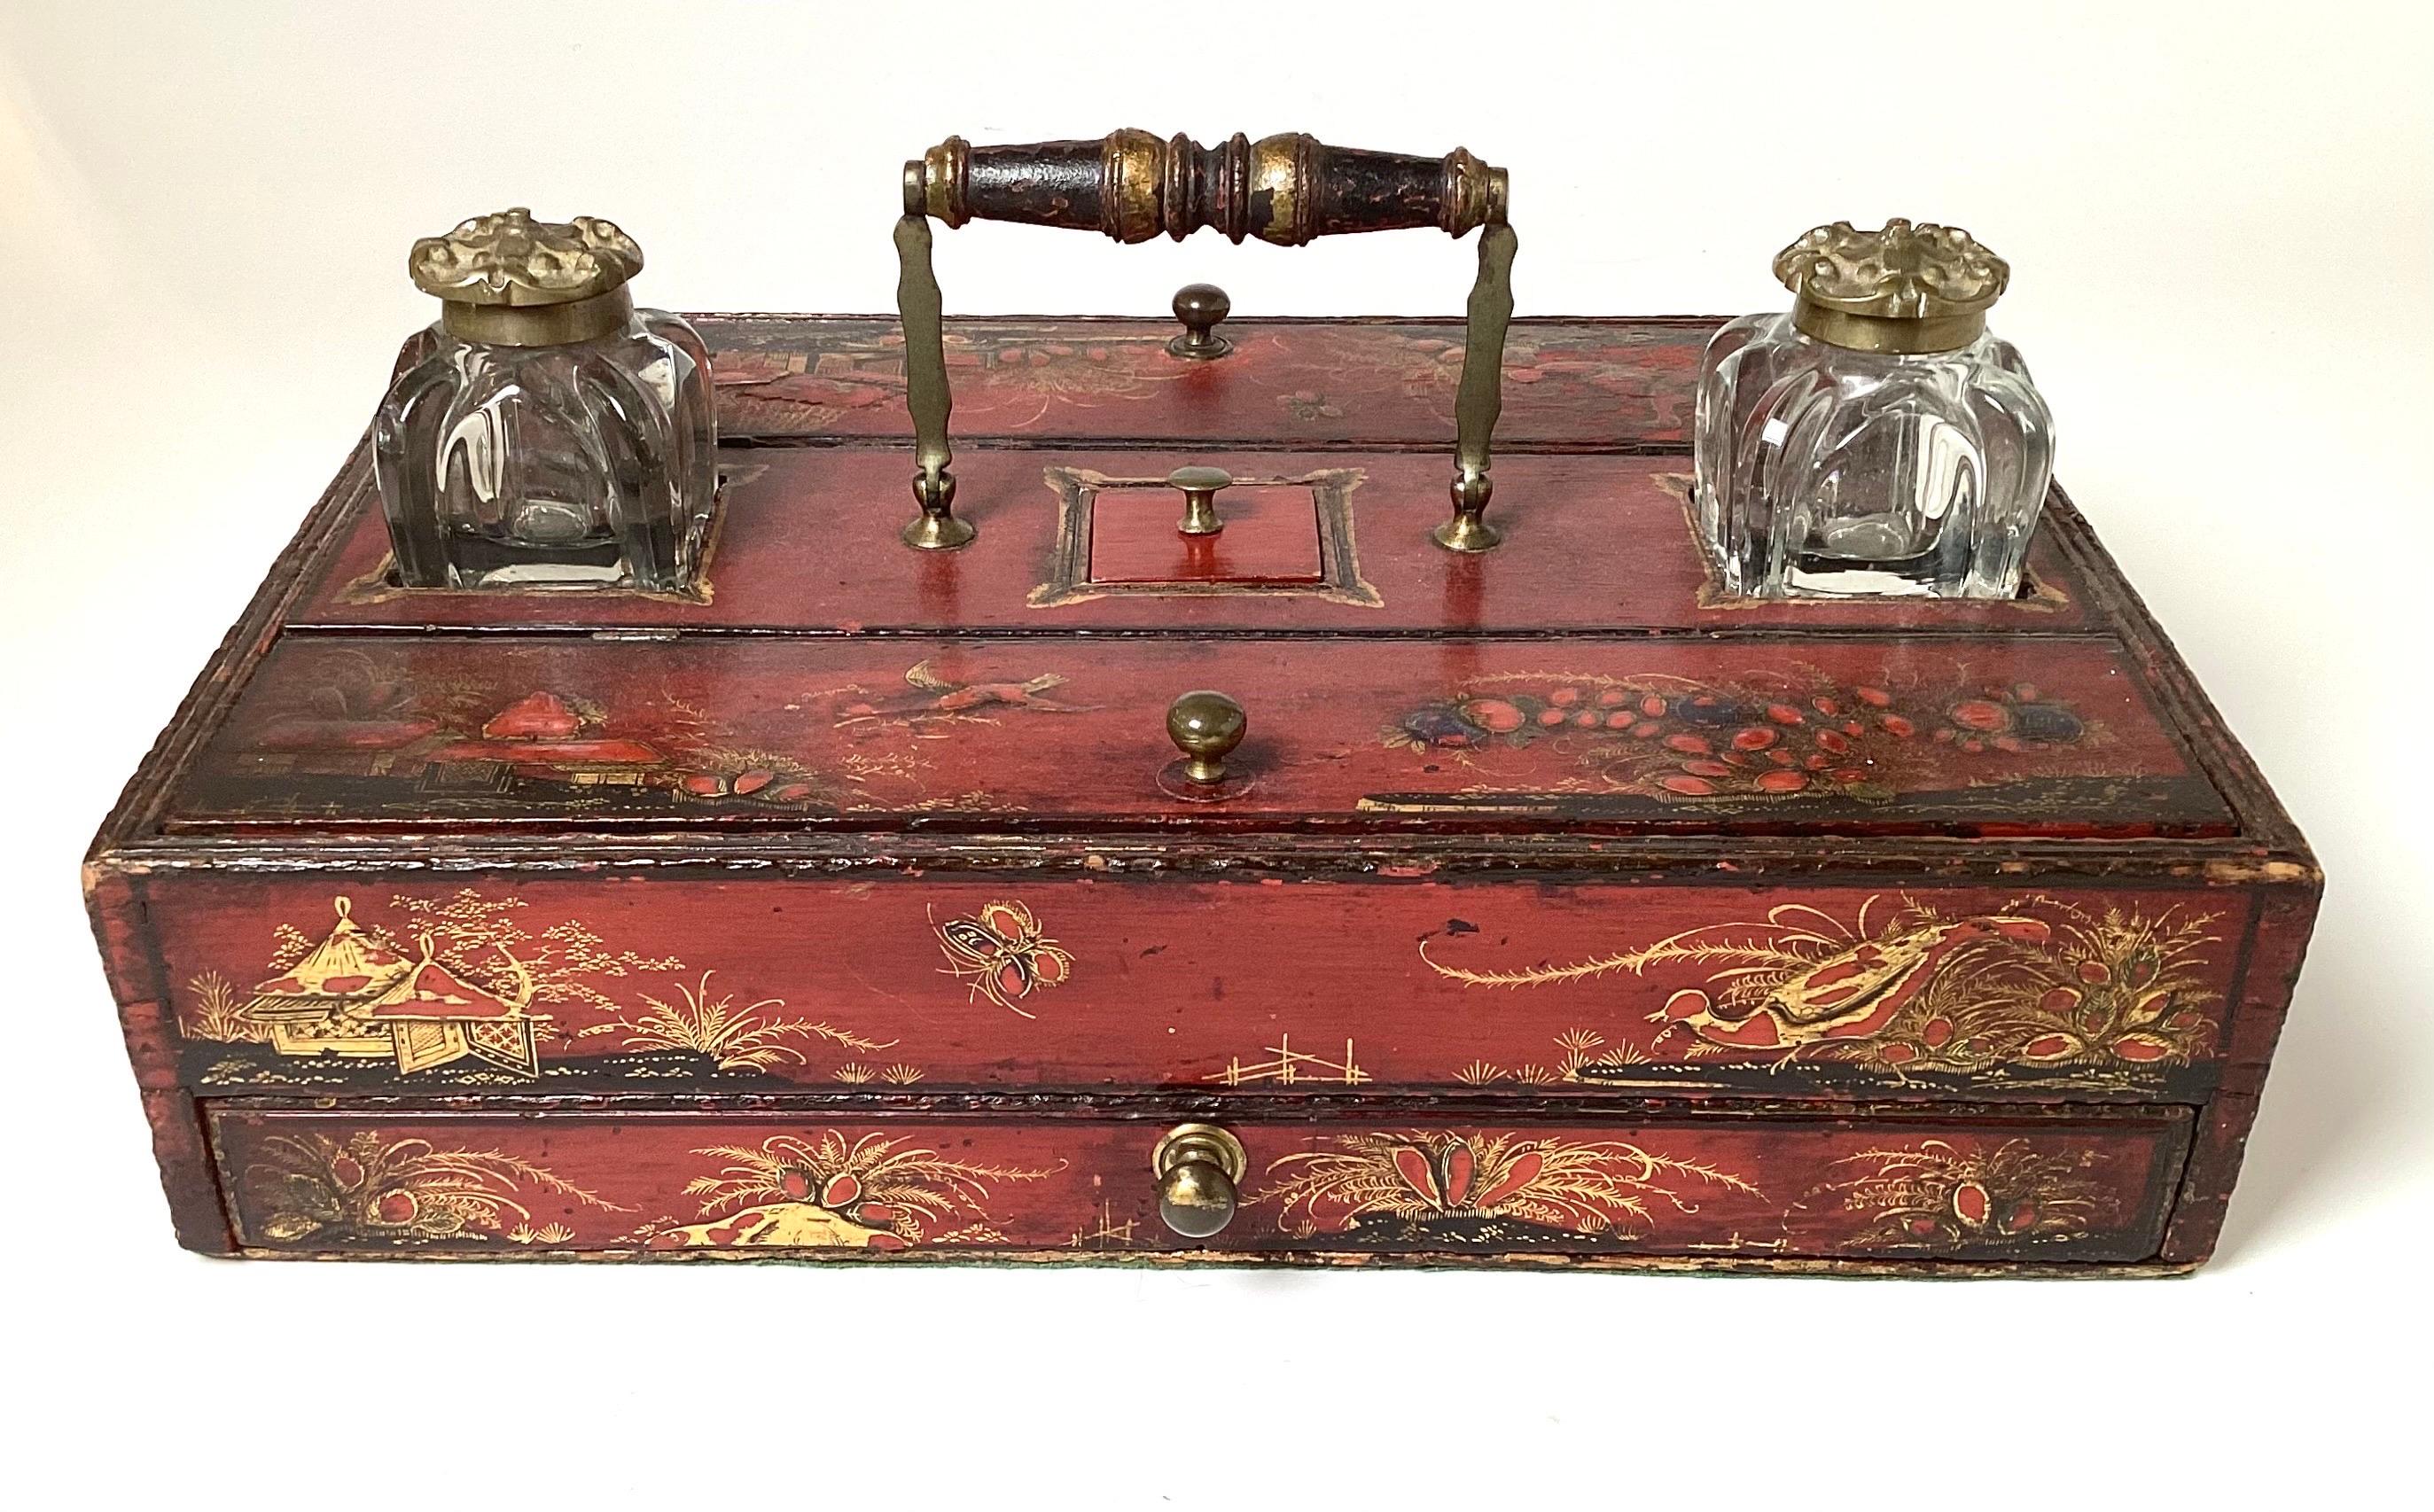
(1001, 955)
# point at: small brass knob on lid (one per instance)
(1200, 485)
(1200, 306)
(1198, 1167)
(1206, 726)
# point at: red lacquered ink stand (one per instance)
(1490, 901)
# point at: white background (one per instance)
(2218, 217)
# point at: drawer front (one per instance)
(2045, 736)
(831, 1183)
(374, 984)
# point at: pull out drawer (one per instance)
(1753, 1188)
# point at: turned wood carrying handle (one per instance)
(1287, 190)
(1130, 185)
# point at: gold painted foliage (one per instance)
(1940, 1196)
(216, 1013)
(369, 1187)
(737, 1038)
(883, 1183)
(1586, 1187)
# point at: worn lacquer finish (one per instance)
(1598, 543)
(1286, 383)
(2027, 734)
(787, 1184)
(1411, 985)
(1556, 911)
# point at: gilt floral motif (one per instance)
(1493, 1189)
(369, 1189)
(1679, 739)
(1937, 1195)
(834, 1192)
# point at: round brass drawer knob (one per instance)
(1200, 306)
(1206, 726)
(1198, 1166)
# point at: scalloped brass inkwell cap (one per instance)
(1903, 289)
(512, 281)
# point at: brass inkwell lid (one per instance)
(1903, 289)
(512, 281)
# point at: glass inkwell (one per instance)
(545, 433)
(1876, 439)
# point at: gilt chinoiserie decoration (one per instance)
(1287, 889)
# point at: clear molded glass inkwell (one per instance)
(545, 432)
(1875, 439)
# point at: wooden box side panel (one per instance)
(2284, 918)
(148, 1020)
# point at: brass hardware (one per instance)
(1902, 289)
(1206, 726)
(925, 387)
(1200, 306)
(1200, 485)
(1198, 1166)
(1481, 397)
(1286, 189)
(511, 280)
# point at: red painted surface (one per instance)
(1246, 988)
(808, 539)
(1286, 384)
(1778, 1188)
(2031, 735)
(1270, 535)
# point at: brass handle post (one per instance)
(1481, 398)
(927, 393)
(1199, 1169)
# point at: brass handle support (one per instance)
(1199, 1168)
(1130, 185)
(935, 528)
(1481, 398)
(1206, 726)
(1200, 485)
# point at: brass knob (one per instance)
(1200, 485)
(1206, 726)
(1198, 1167)
(1200, 306)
